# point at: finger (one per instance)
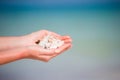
(60, 52)
(62, 48)
(65, 37)
(67, 41)
(43, 58)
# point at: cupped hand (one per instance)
(34, 51)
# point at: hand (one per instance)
(34, 51)
(16, 48)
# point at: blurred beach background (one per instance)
(94, 26)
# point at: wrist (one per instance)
(10, 42)
(23, 53)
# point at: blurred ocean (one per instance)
(95, 31)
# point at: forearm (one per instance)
(12, 55)
(9, 42)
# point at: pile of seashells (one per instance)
(50, 42)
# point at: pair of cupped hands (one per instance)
(34, 51)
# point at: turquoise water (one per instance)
(95, 54)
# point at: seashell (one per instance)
(50, 42)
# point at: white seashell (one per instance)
(50, 42)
